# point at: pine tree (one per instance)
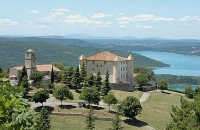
(24, 73)
(24, 83)
(83, 73)
(44, 120)
(90, 119)
(67, 74)
(91, 79)
(116, 123)
(76, 78)
(98, 81)
(52, 75)
(106, 85)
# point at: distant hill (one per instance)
(12, 52)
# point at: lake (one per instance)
(180, 88)
(179, 64)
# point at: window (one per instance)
(121, 76)
(104, 62)
(97, 65)
(93, 69)
(121, 63)
(93, 62)
(121, 68)
(126, 67)
(101, 65)
(124, 62)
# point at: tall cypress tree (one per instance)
(83, 73)
(44, 120)
(91, 79)
(24, 73)
(76, 78)
(52, 75)
(98, 80)
(106, 85)
(90, 119)
(116, 123)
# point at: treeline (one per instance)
(173, 79)
(12, 53)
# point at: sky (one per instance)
(172, 19)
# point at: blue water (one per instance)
(180, 64)
(180, 88)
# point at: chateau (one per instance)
(120, 68)
(30, 64)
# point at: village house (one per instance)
(30, 64)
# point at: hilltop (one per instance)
(48, 50)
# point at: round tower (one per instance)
(116, 69)
(30, 62)
(82, 60)
(130, 69)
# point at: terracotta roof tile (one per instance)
(106, 56)
(46, 67)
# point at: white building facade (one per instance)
(120, 68)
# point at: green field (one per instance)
(156, 113)
(77, 123)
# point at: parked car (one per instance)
(81, 104)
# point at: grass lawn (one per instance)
(156, 110)
(121, 95)
(77, 123)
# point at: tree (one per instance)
(24, 73)
(98, 81)
(141, 79)
(145, 71)
(15, 111)
(106, 85)
(186, 117)
(162, 85)
(83, 73)
(52, 75)
(40, 96)
(58, 65)
(91, 95)
(46, 84)
(62, 93)
(36, 76)
(116, 123)
(189, 92)
(24, 83)
(91, 79)
(44, 121)
(76, 78)
(110, 99)
(89, 120)
(130, 107)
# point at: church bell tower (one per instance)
(30, 62)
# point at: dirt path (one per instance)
(145, 96)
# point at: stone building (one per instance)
(30, 64)
(120, 68)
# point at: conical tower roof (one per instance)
(130, 57)
(82, 57)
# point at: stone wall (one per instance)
(122, 86)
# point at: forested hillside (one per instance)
(12, 53)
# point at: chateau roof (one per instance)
(106, 56)
(41, 68)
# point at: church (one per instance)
(120, 68)
(30, 64)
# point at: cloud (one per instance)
(123, 22)
(60, 10)
(34, 12)
(121, 13)
(144, 18)
(188, 18)
(51, 16)
(100, 15)
(79, 19)
(43, 27)
(106, 24)
(8, 22)
(143, 27)
(121, 26)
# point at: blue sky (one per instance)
(173, 19)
